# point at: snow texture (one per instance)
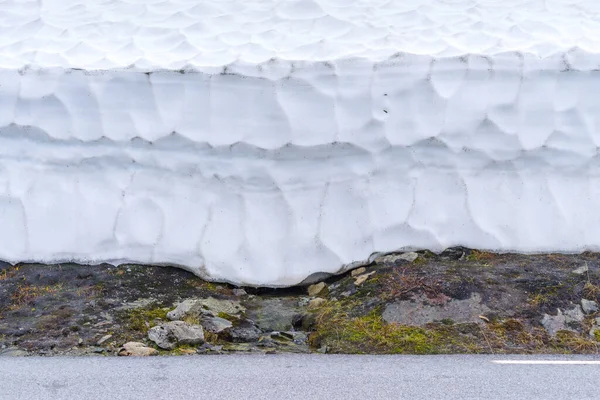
(261, 142)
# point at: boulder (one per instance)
(136, 349)
(209, 306)
(170, 335)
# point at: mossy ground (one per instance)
(67, 308)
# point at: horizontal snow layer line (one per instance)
(173, 34)
(465, 105)
(276, 68)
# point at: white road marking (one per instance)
(547, 362)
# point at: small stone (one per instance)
(136, 349)
(303, 302)
(239, 292)
(322, 349)
(359, 280)
(181, 310)
(244, 334)
(358, 271)
(581, 270)
(99, 350)
(589, 306)
(574, 315)
(317, 289)
(410, 256)
(103, 339)
(171, 334)
(316, 303)
(216, 324)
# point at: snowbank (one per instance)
(261, 142)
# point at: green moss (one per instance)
(142, 319)
(371, 334)
(597, 335)
(228, 317)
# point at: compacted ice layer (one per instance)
(295, 137)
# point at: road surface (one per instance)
(301, 377)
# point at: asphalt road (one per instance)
(301, 377)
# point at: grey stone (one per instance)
(136, 349)
(171, 334)
(274, 314)
(561, 321)
(419, 311)
(410, 256)
(574, 315)
(181, 310)
(244, 334)
(239, 292)
(208, 306)
(317, 289)
(581, 270)
(394, 258)
(589, 306)
(103, 339)
(13, 352)
(216, 324)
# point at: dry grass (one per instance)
(8, 273)
(27, 294)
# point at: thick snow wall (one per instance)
(263, 142)
(269, 174)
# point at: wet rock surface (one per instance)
(459, 301)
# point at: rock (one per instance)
(419, 311)
(316, 303)
(589, 306)
(244, 334)
(239, 292)
(359, 280)
(303, 302)
(394, 258)
(574, 315)
(317, 289)
(274, 314)
(181, 310)
(358, 271)
(216, 324)
(103, 339)
(410, 256)
(13, 352)
(136, 349)
(581, 270)
(171, 334)
(562, 321)
(209, 306)
(207, 348)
